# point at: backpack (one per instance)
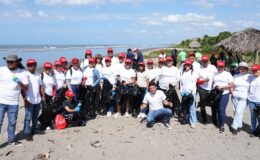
(60, 122)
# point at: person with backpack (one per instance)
(32, 100)
(222, 80)
(91, 83)
(74, 77)
(64, 64)
(188, 92)
(84, 63)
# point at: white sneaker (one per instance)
(167, 125)
(116, 115)
(48, 128)
(109, 114)
(127, 115)
(139, 115)
(143, 115)
(193, 126)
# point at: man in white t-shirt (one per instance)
(12, 81)
(32, 99)
(110, 53)
(156, 99)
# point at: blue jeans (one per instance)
(12, 112)
(76, 91)
(31, 114)
(223, 102)
(254, 119)
(239, 106)
(192, 109)
(165, 113)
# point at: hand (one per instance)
(64, 85)
(53, 98)
(79, 105)
(16, 80)
(77, 109)
(43, 99)
(206, 79)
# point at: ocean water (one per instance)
(43, 53)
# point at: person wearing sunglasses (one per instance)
(12, 81)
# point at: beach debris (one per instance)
(151, 141)
(52, 141)
(42, 156)
(126, 142)
(95, 132)
(95, 144)
(69, 146)
(76, 130)
(9, 152)
(120, 129)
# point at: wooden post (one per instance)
(256, 57)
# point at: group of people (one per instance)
(126, 85)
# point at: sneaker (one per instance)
(149, 125)
(193, 126)
(167, 125)
(234, 132)
(221, 129)
(127, 115)
(109, 114)
(48, 128)
(29, 138)
(14, 143)
(143, 115)
(139, 115)
(117, 115)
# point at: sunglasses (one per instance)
(10, 62)
(32, 65)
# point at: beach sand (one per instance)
(126, 138)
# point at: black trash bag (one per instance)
(172, 96)
(257, 111)
(106, 96)
(186, 102)
(213, 97)
(55, 106)
(46, 116)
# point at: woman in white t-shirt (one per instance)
(99, 64)
(253, 96)
(74, 77)
(127, 79)
(60, 78)
(188, 92)
(239, 96)
(222, 80)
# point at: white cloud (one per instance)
(25, 14)
(42, 14)
(11, 2)
(203, 3)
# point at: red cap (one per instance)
(121, 55)
(31, 61)
(69, 93)
(110, 50)
(88, 52)
(75, 60)
(191, 54)
(149, 61)
(168, 58)
(188, 62)
(204, 58)
(255, 67)
(136, 50)
(141, 63)
(161, 60)
(92, 60)
(57, 63)
(63, 59)
(128, 61)
(107, 59)
(47, 65)
(221, 64)
(162, 50)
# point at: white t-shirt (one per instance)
(241, 85)
(222, 79)
(168, 75)
(207, 72)
(152, 73)
(48, 82)
(99, 68)
(60, 78)
(33, 94)
(195, 66)
(188, 82)
(142, 77)
(155, 101)
(114, 61)
(84, 64)
(118, 68)
(88, 73)
(254, 89)
(163, 56)
(110, 74)
(127, 74)
(76, 77)
(10, 90)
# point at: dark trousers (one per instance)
(219, 109)
(202, 104)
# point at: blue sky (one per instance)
(121, 21)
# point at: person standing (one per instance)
(114, 60)
(182, 56)
(162, 54)
(32, 99)
(61, 80)
(138, 57)
(174, 56)
(253, 96)
(239, 96)
(64, 64)
(84, 62)
(198, 56)
(222, 80)
(12, 81)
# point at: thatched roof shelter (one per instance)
(242, 42)
(194, 44)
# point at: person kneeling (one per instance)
(156, 99)
(70, 112)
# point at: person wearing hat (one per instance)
(239, 96)
(142, 81)
(64, 64)
(109, 73)
(12, 81)
(253, 97)
(204, 83)
(84, 62)
(99, 64)
(126, 78)
(114, 60)
(162, 54)
(195, 64)
(222, 80)
(161, 63)
(70, 110)
(151, 71)
(168, 75)
(121, 64)
(138, 57)
(92, 76)
(61, 80)
(32, 99)
(188, 89)
(74, 77)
